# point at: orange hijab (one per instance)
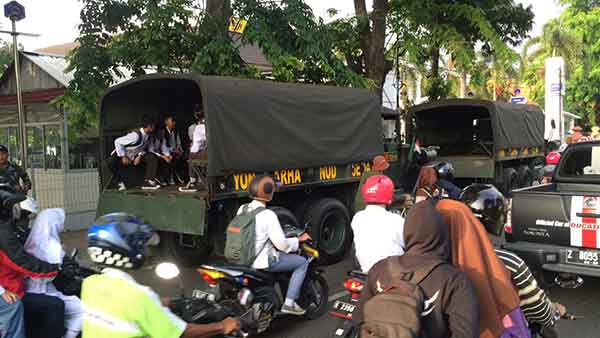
(473, 253)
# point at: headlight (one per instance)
(16, 211)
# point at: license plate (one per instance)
(199, 294)
(343, 307)
(583, 257)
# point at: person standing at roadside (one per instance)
(380, 164)
(14, 174)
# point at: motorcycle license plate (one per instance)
(583, 257)
(343, 308)
(199, 294)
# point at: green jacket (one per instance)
(359, 202)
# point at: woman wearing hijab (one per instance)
(44, 243)
(473, 253)
(427, 184)
(451, 308)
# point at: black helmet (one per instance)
(445, 171)
(488, 204)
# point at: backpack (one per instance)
(396, 311)
(240, 243)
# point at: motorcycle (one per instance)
(251, 294)
(70, 283)
(343, 309)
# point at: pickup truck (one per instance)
(555, 227)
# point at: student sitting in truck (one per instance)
(172, 140)
(131, 149)
(158, 147)
(197, 152)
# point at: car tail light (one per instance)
(353, 286)
(508, 225)
(211, 276)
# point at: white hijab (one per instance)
(44, 240)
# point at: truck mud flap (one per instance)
(165, 212)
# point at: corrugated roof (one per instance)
(54, 65)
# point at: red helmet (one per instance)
(378, 189)
(553, 157)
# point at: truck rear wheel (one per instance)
(187, 250)
(525, 176)
(511, 181)
(330, 228)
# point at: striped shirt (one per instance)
(535, 304)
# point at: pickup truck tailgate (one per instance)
(556, 218)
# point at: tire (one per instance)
(511, 181)
(525, 176)
(285, 216)
(315, 300)
(329, 226)
(186, 256)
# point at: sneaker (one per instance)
(161, 182)
(190, 187)
(179, 179)
(150, 185)
(295, 310)
(122, 186)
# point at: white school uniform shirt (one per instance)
(269, 228)
(122, 149)
(199, 139)
(378, 234)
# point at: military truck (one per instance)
(489, 142)
(316, 141)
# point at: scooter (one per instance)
(258, 295)
(70, 284)
(344, 308)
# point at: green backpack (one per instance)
(240, 245)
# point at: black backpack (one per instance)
(396, 310)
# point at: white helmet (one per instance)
(30, 205)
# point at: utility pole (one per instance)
(16, 12)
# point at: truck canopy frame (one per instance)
(252, 125)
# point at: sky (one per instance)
(57, 20)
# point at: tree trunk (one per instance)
(377, 63)
(360, 8)
(219, 11)
(435, 63)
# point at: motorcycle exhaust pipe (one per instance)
(568, 281)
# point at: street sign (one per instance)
(14, 11)
(557, 87)
(518, 100)
(237, 25)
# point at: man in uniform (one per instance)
(17, 177)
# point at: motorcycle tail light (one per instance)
(353, 286)
(508, 225)
(211, 276)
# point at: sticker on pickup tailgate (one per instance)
(585, 221)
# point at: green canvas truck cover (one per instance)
(513, 125)
(255, 125)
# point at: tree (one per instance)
(6, 56)
(118, 37)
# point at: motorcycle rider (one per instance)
(13, 173)
(488, 204)
(451, 308)
(272, 247)
(44, 243)
(445, 181)
(378, 233)
(115, 305)
(15, 265)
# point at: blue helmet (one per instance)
(120, 241)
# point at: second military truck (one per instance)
(317, 141)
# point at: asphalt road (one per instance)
(584, 301)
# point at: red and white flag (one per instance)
(585, 221)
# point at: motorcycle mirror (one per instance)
(167, 270)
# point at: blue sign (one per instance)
(518, 99)
(14, 11)
(556, 87)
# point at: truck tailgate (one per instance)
(557, 218)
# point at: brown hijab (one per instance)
(427, 183)
(473, 253)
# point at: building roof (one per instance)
(62, 49)
(53, 64)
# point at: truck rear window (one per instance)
(581, 162)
